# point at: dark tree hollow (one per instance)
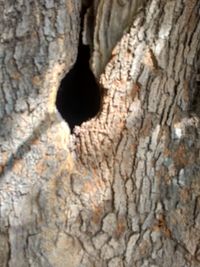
(78, 98)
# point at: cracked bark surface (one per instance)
(124, 189)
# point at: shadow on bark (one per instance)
(25, 147)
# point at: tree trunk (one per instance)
(124, 188)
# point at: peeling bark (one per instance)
(124, 189)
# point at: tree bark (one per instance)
(124, 188)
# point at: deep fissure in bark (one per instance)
(79, 98)
(195, 88)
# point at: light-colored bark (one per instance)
(124, 189)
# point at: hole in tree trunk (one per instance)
(78, 98)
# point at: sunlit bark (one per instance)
(124, 189)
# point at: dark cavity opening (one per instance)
(78, 97)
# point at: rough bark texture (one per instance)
(124, 189)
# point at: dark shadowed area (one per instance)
(78, 98)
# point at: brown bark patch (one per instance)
(150, 59)
(121, 228)
(135, 90)
(1, 168)
(161, 226)
(185, 195)
(180, 156)
(18, 166)
(97, 214)
(41, 166)
(37, 80)
(15, 76)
